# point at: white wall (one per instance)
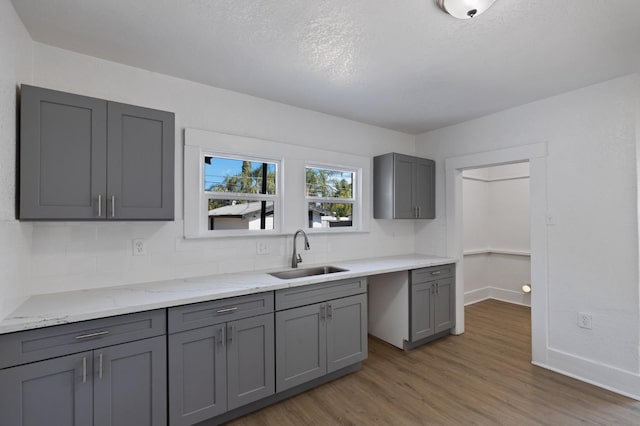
(496, 233)
(591, 137)
(88, 255)
(15, 67)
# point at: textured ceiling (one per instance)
(400, 64)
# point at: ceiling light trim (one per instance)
(464, 9)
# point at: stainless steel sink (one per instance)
(306, 272)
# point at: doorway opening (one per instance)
(535, 156)
(496, 244)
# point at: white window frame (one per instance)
(291, 210)
(196, 197)
(355, 200)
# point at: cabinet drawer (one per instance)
(49, 342)
(315, 293)
(203, 314)
(433, 273)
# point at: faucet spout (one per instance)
(295, 257)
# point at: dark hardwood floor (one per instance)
(482, 377)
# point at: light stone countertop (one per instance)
(80, 305)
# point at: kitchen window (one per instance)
(330, 197)
(240, 193)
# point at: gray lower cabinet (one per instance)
(219, 367)
(105, 372)
(432, 308)
(317, 339)
(130, 382)
(54, 392)
(122, 385)
(403, 187)
(84, 158)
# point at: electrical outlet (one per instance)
(139, 247)
(584, 320)
(262, 247)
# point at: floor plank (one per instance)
(483, 377)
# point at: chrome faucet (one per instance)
(295, 258)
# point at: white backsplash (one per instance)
(80, 255)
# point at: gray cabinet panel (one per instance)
(196, 315)
(346, 331)
(422, 310)
(130, 383)
(307, 295)
(83, 158)
(62, 155)
(424, 190)
(197, 375)
(444, 305)
(250, 360)
(56, 392)
(404, 187)
(432, 301)
(300, 346)
(141, 162)
(49, 342)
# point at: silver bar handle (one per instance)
(99, 205)
(322, 312)
(224, 311)
(437, 288)
(222, 330)
(436, 273)
(84, 369)
(418, 211)
(113, 206)
(96, 334)
(100, 367)
(329, 310)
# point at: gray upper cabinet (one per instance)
(403, 187)
(63, 155)
(84, 158)
(140, 178)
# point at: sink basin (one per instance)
(306, 272)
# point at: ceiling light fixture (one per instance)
(464, 9)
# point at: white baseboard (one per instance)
(475, 296)
(605, 376)
(484, 293)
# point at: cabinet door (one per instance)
(250, 360)
(301, 348)
(55, 392)
(346, 331)
(140, 163)
(424, 188)
(403, 202)
(63, 154)
(444, 309)
(421, 310)
(130, 382)
(197, 375)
